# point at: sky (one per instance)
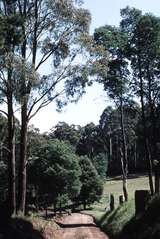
(92, 104)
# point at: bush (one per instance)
(55, 172)
(92, 185)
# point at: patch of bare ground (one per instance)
(80, 226)
(48, 228)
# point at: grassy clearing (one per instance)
(114, 186)
(122, 222)
(113, 223)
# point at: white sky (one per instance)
(92, 104)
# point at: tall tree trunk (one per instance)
(124, 177)
(124, 160)
(11, 158)
(110, 146)
(23, 160)
(9, 11)
(125, 190)
(22, 179)
(135, 155)
(146, 143)
(151, 102)
(24, 117)
(154, 153)
(157, 179)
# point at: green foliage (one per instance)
(10, 33)
(115, 40)
(61, 31)
(3, 180)
(55, 170)
(100, 162)
(90, 142)
(111, 133)
(35, 142)
(92, 185)
(3, 129)
(133, 69)
(143, 51)
(36, 33)
(55, 36)
(65, 132)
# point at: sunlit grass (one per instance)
(113, 222)
(114, 186)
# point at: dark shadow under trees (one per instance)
(18, 228)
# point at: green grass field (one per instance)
(113, 223)
(114, 186)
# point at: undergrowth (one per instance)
(113, 222)
(122, 223)
(146, 225)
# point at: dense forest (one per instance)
(68, 165)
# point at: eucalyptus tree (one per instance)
(111, 132)
(143, 53)
(87, 141)
(50, 30)
(3, 161)
(91, 144)
(10, 37)
(65, 132)
(51, 33)
(116, 82)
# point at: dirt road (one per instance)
(80, 226)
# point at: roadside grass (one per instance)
(122, 223)
(120, 220)
(146, 225)
(112, 223)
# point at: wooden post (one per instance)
(121, 199)
(46, 210)
(141, 199)
(112, 206)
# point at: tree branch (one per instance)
(3, 112)
(46, 56)
(59, 78)
(45, 103)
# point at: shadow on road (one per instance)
(62, 225)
